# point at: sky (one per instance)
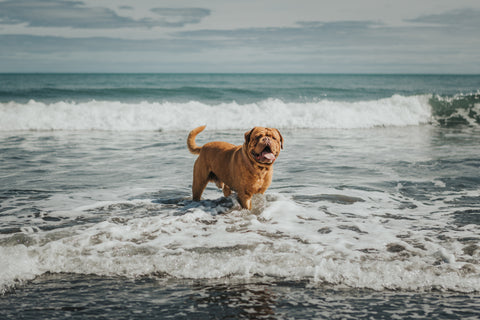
(264, 36)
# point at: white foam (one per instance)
(120, 116)
(17, 266)
(314, 241)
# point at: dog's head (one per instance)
(263, 145)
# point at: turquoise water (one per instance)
(217, 88)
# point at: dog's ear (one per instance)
(248, 134)
(281, 139)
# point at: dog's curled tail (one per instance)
(192, 146)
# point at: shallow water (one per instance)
(81, 296)
(353, 218)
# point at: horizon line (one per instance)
(246, 73)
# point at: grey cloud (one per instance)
(54, 13)
(309, 36)
(178, 17)
(305, 33)
(74, 14)
(303, 28)
(455, 18)
(343, 25)
(12, 44)
(28, 53)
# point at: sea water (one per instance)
(373, 211)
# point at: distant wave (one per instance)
(167, 116)
(128, 94)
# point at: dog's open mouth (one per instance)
(266, 156)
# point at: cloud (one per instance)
(308, 28)
(469, 18)
(303, 34)
(12, 44)
(54, 13)
(445, 42)
(74, 14)
(345, 25)
(178, 17)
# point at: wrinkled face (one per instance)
(263, 145)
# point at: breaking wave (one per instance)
(166, 116)
(458, 110)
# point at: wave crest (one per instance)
(147, 116)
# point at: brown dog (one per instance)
(245, 169)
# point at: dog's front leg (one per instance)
(245, 200)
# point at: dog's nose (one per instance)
(266, 140)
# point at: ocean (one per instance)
(373, 211)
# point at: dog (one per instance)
(246, 169)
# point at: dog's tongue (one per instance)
(268, 155)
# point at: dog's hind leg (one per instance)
(226, 190)
(220, 185)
